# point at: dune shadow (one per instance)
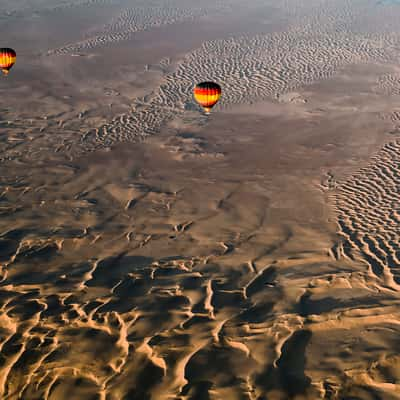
(288, 375)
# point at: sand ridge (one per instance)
(248, 255)
(113, 287)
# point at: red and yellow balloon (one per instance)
(7, 59)
(207, 94)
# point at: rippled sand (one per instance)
(150, 252)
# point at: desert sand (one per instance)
(148, 251)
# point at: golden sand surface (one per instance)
(150, 252)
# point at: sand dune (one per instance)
(125, 284)
(252, 254)
(368, 216)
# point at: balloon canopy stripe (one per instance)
(6, 61)
(211, 91)
(207, 100)
(207, 94)
(7, 58)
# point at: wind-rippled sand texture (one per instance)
(172, 268)
(368, 212)
(22, 9)
(320, 38)
(269, 66)
(142, 17)
(367, 205)
(389, 84)
(260, 67)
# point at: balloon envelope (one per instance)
(7, 59)
(207, 94)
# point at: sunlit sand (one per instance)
(148, 251)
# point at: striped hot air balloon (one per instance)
(207, 95)
(7, 59)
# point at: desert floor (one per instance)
(148, 251)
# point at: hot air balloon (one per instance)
(7, 59)
(207, 95)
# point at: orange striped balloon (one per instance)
(207, 95)
(7, 59)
